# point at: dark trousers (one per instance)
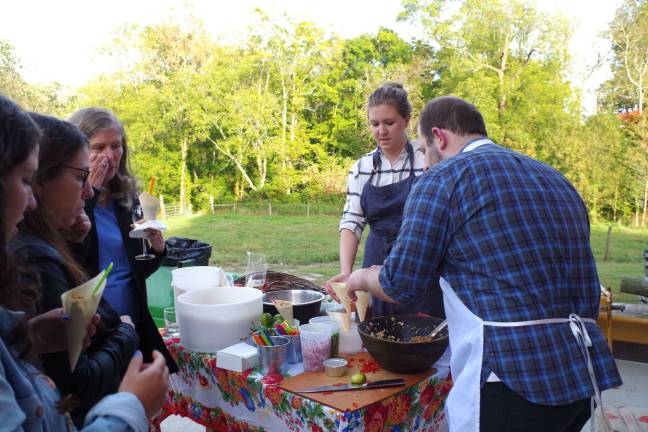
(502, 410)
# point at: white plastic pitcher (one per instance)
(191, 278)
(213, 319)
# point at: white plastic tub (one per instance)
(187, 279)
(212, 319)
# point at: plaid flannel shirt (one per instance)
(511, 236)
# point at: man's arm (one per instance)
(422, 242)
(367, 280)
(418, 250)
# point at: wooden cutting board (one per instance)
(350, 400)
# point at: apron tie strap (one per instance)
(584, 342)
(577, 326)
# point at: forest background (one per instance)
(281, 115)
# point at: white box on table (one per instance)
(237, 357)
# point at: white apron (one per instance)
(466, 334)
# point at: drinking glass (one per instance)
(137, 214)
(171, 322)
(255, 270)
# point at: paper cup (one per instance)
(340, 291)
(80, 306)
(361, 304)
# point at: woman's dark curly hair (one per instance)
(19, 136)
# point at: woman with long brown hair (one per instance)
(61, 188)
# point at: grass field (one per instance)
(308, 246)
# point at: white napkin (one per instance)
(139, 230)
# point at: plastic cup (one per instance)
(315, 346)
(273, 358)
(335, 331)
(350, 342)
(171, 322)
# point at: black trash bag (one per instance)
(185, 252)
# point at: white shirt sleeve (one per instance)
(353, 217)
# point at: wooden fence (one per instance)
(256, 207)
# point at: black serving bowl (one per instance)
(387, 338)
(306, 303)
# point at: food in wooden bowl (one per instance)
(399, 343)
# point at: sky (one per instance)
(60, 40)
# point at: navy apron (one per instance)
(383, 209)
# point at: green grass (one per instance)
(308, 246)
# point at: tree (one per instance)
(628, 35)
(493, 52)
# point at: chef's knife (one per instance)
(372, 385)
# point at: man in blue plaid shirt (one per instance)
(510, 237)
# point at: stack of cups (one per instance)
(315, 346)
(335, 331)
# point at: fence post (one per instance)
(269, 208)
(211, 203)
(308, 208)
(607, 243)
(234, 206)
(190, 209)
(162, 208)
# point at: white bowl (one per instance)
(212, 319)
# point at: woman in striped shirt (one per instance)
(378, 185)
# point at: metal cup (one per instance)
(273, 358)
(294, 349)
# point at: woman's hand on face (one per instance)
(342, 277)
(156, 239)
(47, 331)
(149, 382)
(79, 229)
(99, 166)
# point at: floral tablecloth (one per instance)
(230, 401)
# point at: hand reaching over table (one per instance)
(342, 277)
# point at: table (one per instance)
(223, 400)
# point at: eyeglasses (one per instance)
(85, 172)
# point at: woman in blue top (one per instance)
(110, 214)
(28, 398)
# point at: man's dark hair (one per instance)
(453, 114)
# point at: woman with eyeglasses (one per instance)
(61, 188)
(111, 216)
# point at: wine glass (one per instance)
(137, 214)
